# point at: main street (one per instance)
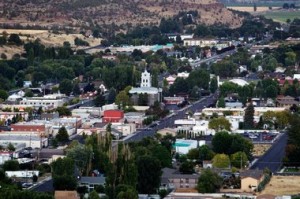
(169, 120)
(273, 157)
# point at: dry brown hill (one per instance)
(120, 12)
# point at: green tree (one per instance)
(3, 94)
(62, 135)
(126, 192)
(221, 142)
(111, 96)
(220, 123)
(205, 153)
(193, 154)
(186, 167)
(99, 100)
(11, 165)
(122, 99)
(94, 195)
(221, 161)
(209, 182)
(163, 155)
(63, 174)
(249, 117)
(63, 111)
(239, 159)
(82, 155)
(213, 86)
(11, 147)
(271, 91)
(149, 171)
(221, 102)
(15, 39)
(66, 86)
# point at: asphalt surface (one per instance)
(273, 157)
(46, 186)
(169, 120)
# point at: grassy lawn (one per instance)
(282, 15)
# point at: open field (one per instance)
(282, 15)
(50, 39)
(47, 38)
(251, 9)
(260, 149)
(283, 185)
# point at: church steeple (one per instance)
(146, 79)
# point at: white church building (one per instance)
(154, 94)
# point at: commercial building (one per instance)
(30, 140)
(22, 174)
(46, 102)
(125, 129)
(258, 111)
(110, 116)
(183, 146)
(74, 122)
(135, 117)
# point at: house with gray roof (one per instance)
(173, 179)
(91, 182)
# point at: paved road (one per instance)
(273, 157)
(45, 186)
(169, 120)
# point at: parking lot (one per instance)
(261, 136)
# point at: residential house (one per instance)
(172, 179)
(92, 182)
(250, 179)
(286, 101)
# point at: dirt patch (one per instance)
(283, 185)
(260, 149)
(251, 8)
(50, 39)
(9, 51)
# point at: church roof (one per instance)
(148, 90)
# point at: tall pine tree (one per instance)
(249, 117)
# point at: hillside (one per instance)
(84, 13)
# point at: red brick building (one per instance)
(28, 127)
(113, 116)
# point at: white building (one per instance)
(201, 128)
(22, 174)
(125, 129)
(183, 75)
(258, 111)
(5, 156)
(235, 120)
(154, 94)
(30, 140)
(183, 146)
(47, 101)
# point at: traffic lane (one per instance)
(46, 186)
(272, 159)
